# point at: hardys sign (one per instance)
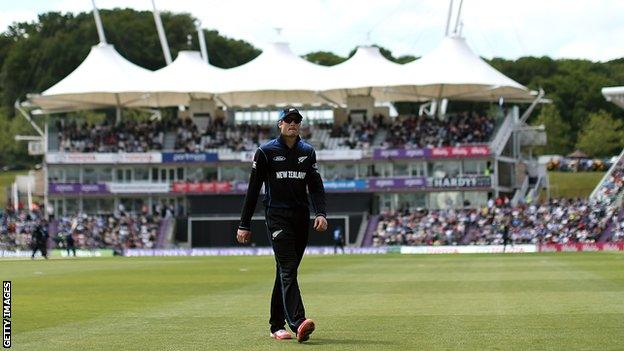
(432, 183)
(460, 182)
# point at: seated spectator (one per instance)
(114, 231)
(556, 221)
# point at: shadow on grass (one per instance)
(325, 341)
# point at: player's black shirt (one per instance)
(285, 173)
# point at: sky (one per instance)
(588, 29)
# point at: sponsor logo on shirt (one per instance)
(253, 165)
(279, 158)
(290, 175)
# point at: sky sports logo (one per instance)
(6, 314)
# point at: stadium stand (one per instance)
(127, 136)
(117, 231)
(611, 187)
(404, 131)
(557, 221)
(422, 131)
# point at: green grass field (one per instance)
(565, 301)
(568, 184)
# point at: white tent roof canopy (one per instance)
(367, 72)
(453, 71)
(279, 77)
(614, 95)
(104, 78)
(187, 77)
(276, 77)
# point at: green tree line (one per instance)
(36, 55)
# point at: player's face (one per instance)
(290, 126)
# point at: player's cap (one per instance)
(290, 111)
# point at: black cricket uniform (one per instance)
(70, 244)
(39, 240)
(285, 173)
(506, 239)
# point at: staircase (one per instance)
(502, 134)
(169, 141)
(165, 232)
(380, 137)
(608, 233)
(471, 231)
(371, 228)
(53, 141)
(595, 194)
(319, 138)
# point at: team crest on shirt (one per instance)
(253, 165)
(302, 158)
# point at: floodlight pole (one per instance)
(161, 34)
(98, 23)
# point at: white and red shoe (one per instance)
(305, 329)
(281, 334)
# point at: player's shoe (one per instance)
(305, 329)
(281, 334)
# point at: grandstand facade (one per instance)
(198, 167)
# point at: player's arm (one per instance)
(317, 194)
(257, 177)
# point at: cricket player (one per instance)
(286, 166)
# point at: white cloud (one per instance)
(9, 17)
(558, 28)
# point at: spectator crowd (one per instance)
(218, 135)
(423, 131)
(560, 221)
(116, 231)
(127, 136)
(563, 164)
(403, 131)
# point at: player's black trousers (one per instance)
(288, 234)
(40, 247)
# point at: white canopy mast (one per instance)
(98, 23)
(202, 41)
(161, 34)
(438, 106)
(102, 36)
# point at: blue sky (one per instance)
(558, 28)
